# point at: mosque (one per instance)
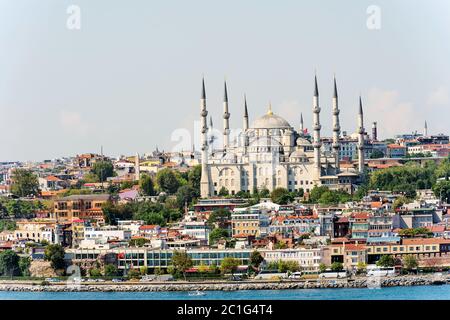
(270, 153)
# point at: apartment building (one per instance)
(86, 207)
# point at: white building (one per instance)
(270, 153)
(308, 259)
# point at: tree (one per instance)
(9, 263)
(143, 270)
(219, 216)
(95, 272)
(361, 267)
(337, 266)
(138, 242)
(146, 185)
(443, 170)
(264, 193)
(133, 274)
(376, 154)
(24, 266)
(55, 254)
(181, 262)
(386, 261)
(185, 195)
(110, 270)
(194, 176)
(256, 258)
(167, 181)
(102, 170)
(322, 267)
(223, 192)
(114, 212)
(9, 225)
(24, 183)
(281, 196)
(217, 234)
(229, 264)
(410, 262)
(316, 193)
(442, 190)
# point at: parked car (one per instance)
(341, 274)
(296, 275)
(117, 280)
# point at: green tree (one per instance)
(146, 185)
(219, 216)
(229, 264)
(361, 267)
(410, 262)
(167, 181)
(110, 270)
(9, 263)
(114, 212)
(442, 190)
(217, 234)
(143, 270)
(256, 258)
(185, 194)
(24, 183)
(194, 176)
(443, 169)
(95, 272)
(264, 193)
(322, 267)
(386, 261)
(281, 196)
(9, 225)
(376, 154)
(55, 254)
(181, 262)
(102, 170)
(223, 192)
(316, 193)
(24, 266)
(337, 266)
(133, 274)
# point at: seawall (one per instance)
(360, 282)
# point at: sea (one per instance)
(436, 292)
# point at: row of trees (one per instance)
(411, 177)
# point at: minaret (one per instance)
(226, 120)
(374, 131)
(245, 124)
(425, 129)
(316, 137)
(336, 128)
(137, 169)
(302, 128)
(360, 138)
(204, 181)
(211, 134)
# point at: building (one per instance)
(270, 153)
(86, 207)
(395, 151)
(36, 231)
(308, 259)
(249, 221)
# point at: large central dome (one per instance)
(270, 121)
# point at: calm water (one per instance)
(392, 293)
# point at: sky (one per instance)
(129, 77)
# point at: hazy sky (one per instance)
(131, 75)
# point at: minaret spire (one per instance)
(360, 138)
(245, 124)
(316, 138)
(302, 129)
(336, 127)
(226, 119)
(205, 189)
(425, 129)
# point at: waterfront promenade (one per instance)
(130, 286)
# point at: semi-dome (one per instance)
(270, 121)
